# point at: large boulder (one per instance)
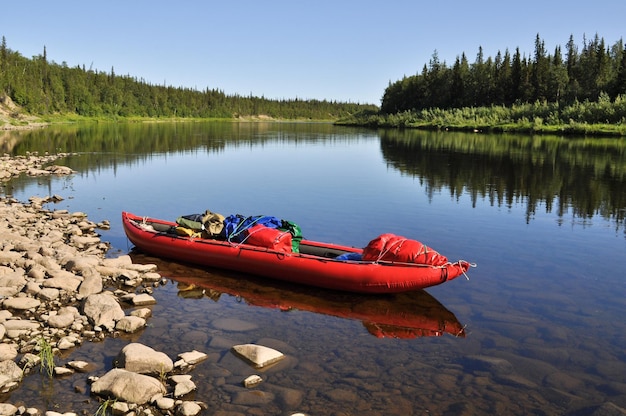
(10, 375)
(91, 284)
(102, 310)
(142, 359)
(127, 386)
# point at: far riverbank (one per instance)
(589, 119)
(601, 119)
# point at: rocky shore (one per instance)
(58, 290)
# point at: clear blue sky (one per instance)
(334, 50)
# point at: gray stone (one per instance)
(143, 299)
(13, 280)
(165, 403)
(7, 352)
(71, 310)
(341, 395)
(183, 388)
(17, 327)
(48, 294)
(4, 315)
(192, 357)
(83, 241)
(10, 374)
(188, 409)
(66, 343)
(91, 284)
(63, 371)
(609, 409)
(37, 272)
(9, 257)
(487, 363)
(7, 409)
(232, 324)
(563, 381)
(252, 398)
(102, 310)
(142, 313)
(151, 277)
(130, 324)
(120, 408)
(252, 381)
(290, 398)
(21, 303)
(117, 262)
(82, 263)
(179, 378)
(140, 358)
(32, 287)
(128, 386)
(62, 280)
(61, 321)
(258, 355)
(80, 366)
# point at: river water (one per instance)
(538, 328)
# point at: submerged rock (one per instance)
(252, 381)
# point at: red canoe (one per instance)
(314, 265)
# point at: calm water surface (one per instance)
(542, 328)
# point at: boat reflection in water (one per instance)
(403, 315)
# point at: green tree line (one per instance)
(604, 117)
(43, 87)
(560, 77)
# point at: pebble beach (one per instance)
(59, 290)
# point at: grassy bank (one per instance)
(581, 120)
(602, 118)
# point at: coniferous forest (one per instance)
(41, 87)
(575, 89)
(559, 77)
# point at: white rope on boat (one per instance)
(470, 265)
(387, 250)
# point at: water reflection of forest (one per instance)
(586, 177)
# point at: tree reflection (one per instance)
(586, 176)
(582, 177)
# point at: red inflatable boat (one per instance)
(317, 264)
